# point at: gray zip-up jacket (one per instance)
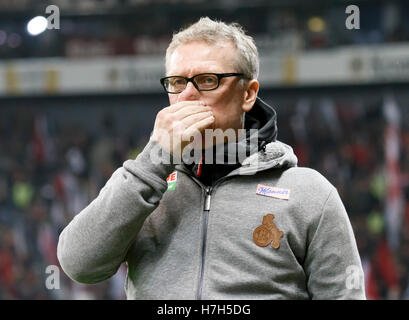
(196, 242)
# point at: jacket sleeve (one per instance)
(332, 264)
(94, 244)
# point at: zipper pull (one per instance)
(207, 199)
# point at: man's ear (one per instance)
(250, 95)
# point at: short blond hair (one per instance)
(211, 31)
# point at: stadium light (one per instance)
(316, 24)
(37, 25)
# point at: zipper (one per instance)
(206, 210)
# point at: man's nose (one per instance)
(190, 93)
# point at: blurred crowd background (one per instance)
(58, 150)
(123, 27)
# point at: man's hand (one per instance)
(177, 124)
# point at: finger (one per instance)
(177, 106)
(194, 118)
(191, 110)
(198, 126)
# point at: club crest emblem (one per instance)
(267, 233)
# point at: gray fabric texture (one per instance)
(160, 233)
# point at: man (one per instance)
(258, 228)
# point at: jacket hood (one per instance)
(271, 152)
(260, 124)
(262, 117)
(276, 155)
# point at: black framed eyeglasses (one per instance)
(202, 81)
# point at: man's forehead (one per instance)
(201, 54)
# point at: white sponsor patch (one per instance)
(273, 192)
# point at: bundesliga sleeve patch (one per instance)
(171, 180)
